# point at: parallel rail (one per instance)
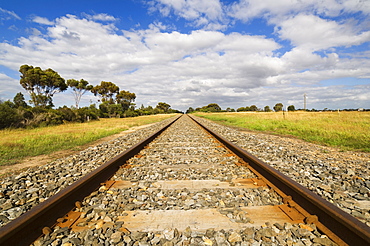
(27, 228)
(341, 227)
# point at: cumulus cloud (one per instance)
(190, 9)
(322, 33)
(291, 18)
(248, 9)
(195, 68)
(206, 14)
(308, 24)
(42, 20)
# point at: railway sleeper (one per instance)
(217, 196)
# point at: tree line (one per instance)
(214, 107)
(42, 85)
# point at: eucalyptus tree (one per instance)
(213, 107)
(19, 101)
(42, 85)
(253, 108)
(106, 91)
(79, 88)
(267, 109)
(163, 106)
(278, 107)
(291, 108)
(125, 98)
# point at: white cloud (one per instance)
(100, 17)
(34, 31)
(356, 6)
(7, 15)
(248, 9)
(303, 59)
(42, 20)
(191, 9)
(318, 97)
(301, 69)
(159, 26)
(315, 33)
(184, 70)
(9, 87)
(206, 14)
(248, 44)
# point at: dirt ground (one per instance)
(44, 159)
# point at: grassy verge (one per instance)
(346, 130)
(17, 144)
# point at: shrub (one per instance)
(87, 113)
(9, 116)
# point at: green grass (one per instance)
(18, 144)
(346, 130)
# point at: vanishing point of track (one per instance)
(190, 184)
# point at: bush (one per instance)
(19, 114)
(291, 108)
(67, 114)
(87, 113)
(131, 113)
(110, 110)
(9, 116)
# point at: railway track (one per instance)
(185, 186)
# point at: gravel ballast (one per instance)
(20, 192)
(340, 177)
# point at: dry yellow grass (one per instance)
(16, 144)
(347, 130)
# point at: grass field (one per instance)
(17, 144)
(346, 130)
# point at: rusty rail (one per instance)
(340, 226)
(27, 228)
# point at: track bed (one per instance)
(186, 188)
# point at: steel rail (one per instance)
(336, 222)
(27, 228)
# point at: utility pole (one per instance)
(304, 101)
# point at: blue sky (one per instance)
(190, 53)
